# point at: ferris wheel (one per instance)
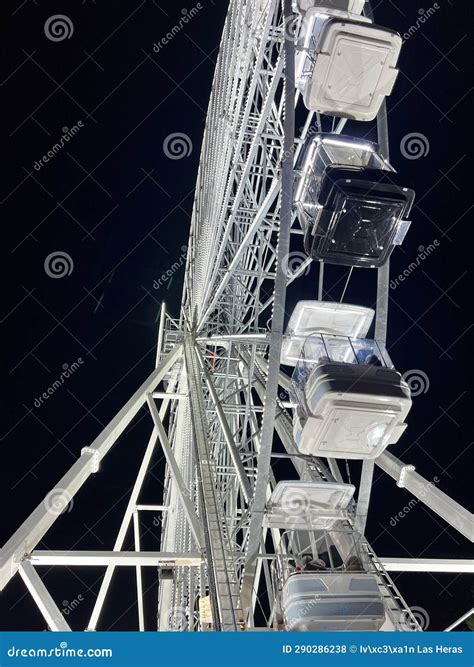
(246, 542)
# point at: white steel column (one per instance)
(427, 565)
(457, 516)
(136, 536)
(268, 425)
(38, 523)
(460, 620)
(104, 587)
(116, 558)
(194, 521)
(43, 599)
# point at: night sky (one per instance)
(118, 207)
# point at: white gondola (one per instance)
(345, 65)
(351, 204)
(309, 317)
(302, 505)
(349, 401)
(323, 578)
(353, 411)
(332, 601)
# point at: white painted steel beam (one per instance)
(43, 599)
(276, 333)
(427, 565)
(452, 512)
(460, 620)
(131, 506)
(140, 607)
(224, 595)
(115, 558)
(40, 521)
(194, 521)
(229, 438)
(104, 587)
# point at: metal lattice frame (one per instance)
(216, 413)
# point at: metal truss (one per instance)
(217, 398)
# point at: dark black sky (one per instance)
(120, 208)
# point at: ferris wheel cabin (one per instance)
(345, 65)
(323, 576)
(352, 205)
(349, 400)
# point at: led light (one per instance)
(349, 144)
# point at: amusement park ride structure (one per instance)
(233, 391)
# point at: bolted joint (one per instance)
(403, 472)
(95, 457)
